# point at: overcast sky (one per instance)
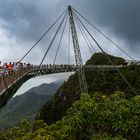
(22, 22)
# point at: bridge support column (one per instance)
(78, 58)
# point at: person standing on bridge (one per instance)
(1, 71)
(15, 66)
(10, 68)
(0, 65)
(5, 67)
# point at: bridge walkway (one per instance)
(10, 83)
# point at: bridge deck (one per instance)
(10, 79)
(13, 78)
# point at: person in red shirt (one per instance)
(10, 68)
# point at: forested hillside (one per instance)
(98, 81)
(100, 59)
(97, 117)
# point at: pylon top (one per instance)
(69, 7)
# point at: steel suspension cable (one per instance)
(98, 74)
(51, 43)
(104, 35)
(123, 77)
(42, 36)
(60, 40)
(69, 45)
(84, 36)
(87, 38)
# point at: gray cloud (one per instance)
(122, 17)
(27, 20)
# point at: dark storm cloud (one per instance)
(17, 17)
(27, 20)
(121, 17)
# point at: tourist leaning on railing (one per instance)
(10, 68)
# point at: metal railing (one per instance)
(9, 77)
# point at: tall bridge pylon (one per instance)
(77, 52)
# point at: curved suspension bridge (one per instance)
(10, 83)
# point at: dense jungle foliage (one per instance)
(96, 117)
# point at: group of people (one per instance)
(57, 66)
(8, 68)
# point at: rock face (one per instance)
(27, 104)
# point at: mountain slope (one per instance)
(27, 104)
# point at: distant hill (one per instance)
(27, 104)
(100, 59)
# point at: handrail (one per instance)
(12, 76)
